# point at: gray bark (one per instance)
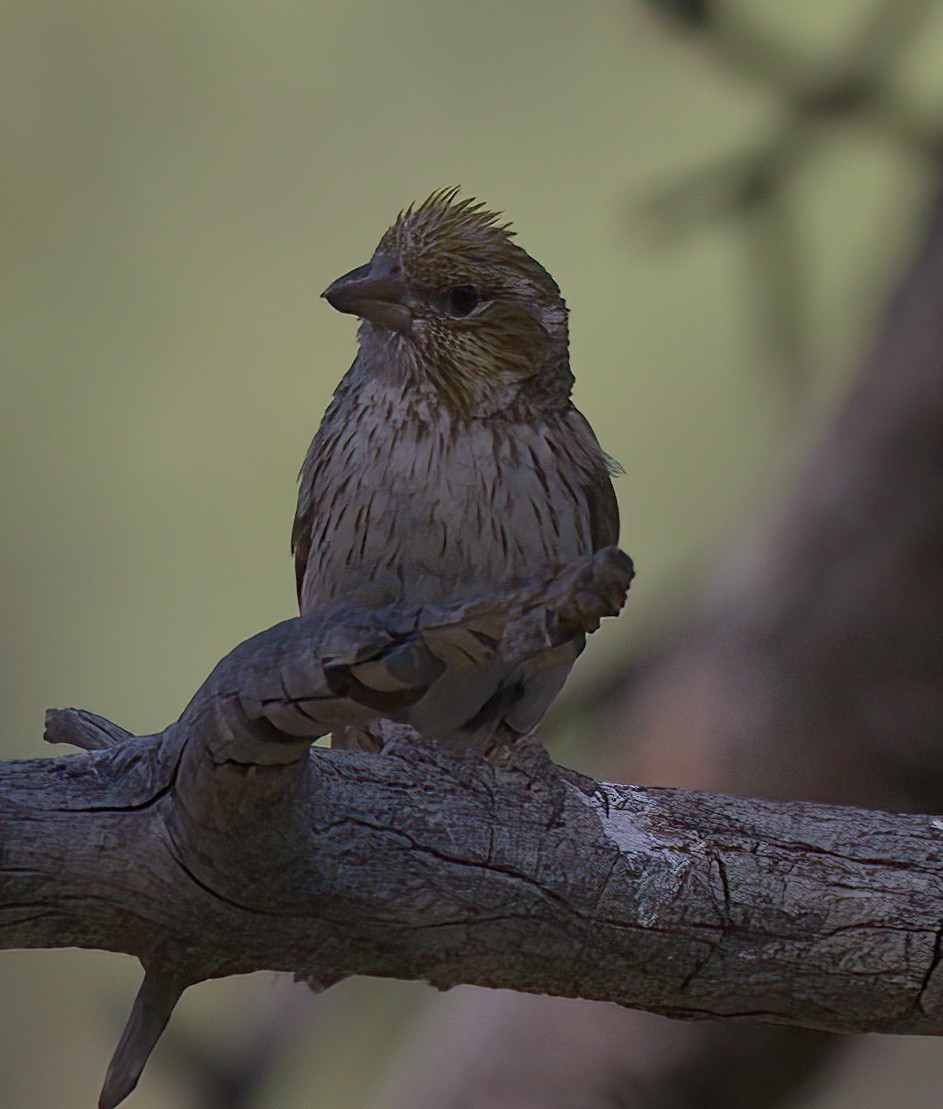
(423, 864)
(225, 844)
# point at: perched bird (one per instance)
(451, 459)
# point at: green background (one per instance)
(178, 182)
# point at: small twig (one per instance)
(83, 729)
(156, 999)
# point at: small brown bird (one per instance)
(451, 459)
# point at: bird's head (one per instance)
(451, 297)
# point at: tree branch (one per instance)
(225, 845)
(447, 867)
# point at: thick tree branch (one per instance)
(447, 867)
(225, 845)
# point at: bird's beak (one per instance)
(375, 292)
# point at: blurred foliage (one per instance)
(179, 182)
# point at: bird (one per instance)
(451, 461)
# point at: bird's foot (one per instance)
(524, 753)
(402, 741)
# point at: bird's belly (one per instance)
(431, 533)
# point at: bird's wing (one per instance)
(597, 469)
(303, 524)
(301, 542)
(603, 511)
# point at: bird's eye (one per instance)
(462, 300)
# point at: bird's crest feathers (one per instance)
(442, 217)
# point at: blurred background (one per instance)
(728, 195)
